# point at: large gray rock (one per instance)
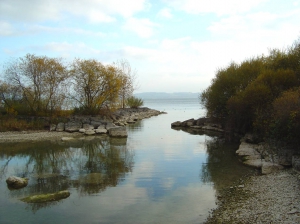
(110, 126)
(247, 149)
(118, 132)
(256, 163)
(60, 127)
(16, 182)
(89, 132)
(100, 131)
(73, 126)
(87, 126)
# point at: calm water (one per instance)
(156, 175)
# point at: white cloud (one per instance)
(6, 29)
(218, 7)
(165, 13)
(94, 11)
(142, 27)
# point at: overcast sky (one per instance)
(175, 45)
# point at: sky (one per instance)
(173, 45)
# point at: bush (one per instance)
(134, 102)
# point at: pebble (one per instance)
(272, 198)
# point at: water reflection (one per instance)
(89, 166)
(222, 167)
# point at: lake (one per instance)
(156, 175)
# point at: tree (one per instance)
(128, 79)
(41, 81)
(95, 85)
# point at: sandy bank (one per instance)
(22, 136)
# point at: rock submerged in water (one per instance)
(14, 182)
(47, 197)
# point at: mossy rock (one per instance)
(16, 182)
(46, 197)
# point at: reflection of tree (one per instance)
(222, 167)
(90, 167)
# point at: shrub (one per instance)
(134, 102)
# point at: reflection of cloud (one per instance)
(167, 183)
(189, 204)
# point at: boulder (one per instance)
(247, 149)
(60, 127)
(52, 127)
(16, 182)
(89, 132)
(176, 124)
(110, 126)
(73, 126)
(101, 131)
(87, 126)
(82, 130)
(118, 132)
(256, 163)
(46, 197)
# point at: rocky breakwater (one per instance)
(113, 125)
(267, 157)
(200, 124)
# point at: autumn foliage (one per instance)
(43, 86)
(259, 95)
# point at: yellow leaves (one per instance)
(97, 85)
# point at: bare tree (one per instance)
(128, 80)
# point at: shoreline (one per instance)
(272, 198)
(36, 135)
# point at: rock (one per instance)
(67, 138)
(73, 126)
(16, 182)
(256, 163)
(211, 128)
(87, 126)
(110, 125)
(89, 132)
(176, 124)
(101, 126)
(247, 149)
(101, 131)
(82, 130)
(118, 132)
(268, 167)
(60, 127)
(52, 127)
(296, 162)
(46, 197)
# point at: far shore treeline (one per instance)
(49, 87)
(259, 95)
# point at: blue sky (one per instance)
(174, 45)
